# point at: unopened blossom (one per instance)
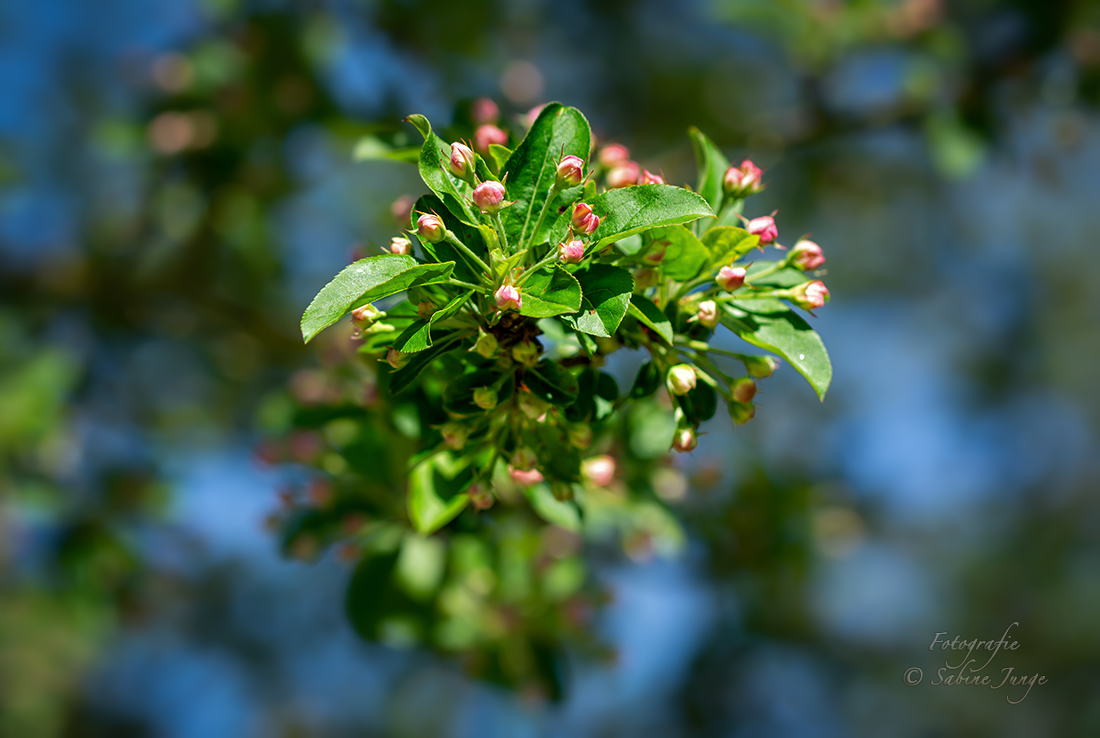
(623, 174)
(486, 344)
(584, 220)
(483, 110)
(649, 177)
(508, 298)
(571, 252)
(364, 317)
(707, 314)
(743, 389)
(741, 412)
(681, 379)
(806, 255)
(487, 135)
(810, 295)
(485, 398)
(570, 171)
(481, 497)
(524, 459)
(526, 478)
(462, 161)
(489, 196)
(743, 180)
(612, 154)
(684, 440)
(764, 227)
(454, 435)
(396, 359)
(730, 278)
(401, 209)
(760, 367)
(430, 227)
(400, 245)
(599, 470)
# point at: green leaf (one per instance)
(465, 269)
(458, 397)
(549, 381)
(550, 291)
(364, 282)
(782, 279)
(562, 513)
(629, 210)
(647, 381)
(726, 244)
(712, 164)
(771, 325)
(531, 170)
(434, 159)
(699, 404)
(500, 154)
(418, 336)
(685, 254)
(373, 598)
(403, 378)
(558, 458)
(606, 298)
(437, 491)
(650, 315)
(372, 148)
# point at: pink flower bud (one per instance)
(744, 180)
(584, 220)
(612, 154)
(649, 177)
(454, 435)
(489, 196)
(526, 478)
(430, 228)
(400, 245)
(764, 227)
(708, 313)
(684, 440)
(508, 298)
(571, 252)
(743, 389)
(599, 470)
(489, 134)
(480, 497)
(752, 176)
(807, 255)
(732, 180)
(524, 459)
(570, 171)
(401, 209)
(396, 359)
(741, 412)
(681, 379)
(462, 160)
(810, 295)
(730, 278)
(483, 110)
(623, 174)
(485, 398)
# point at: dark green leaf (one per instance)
(685, 254)
(698, 404)
(373, 598)
(771, 325)
(650, 315)
(549, 381)
(631, 210)
(418, 336)
(550, 291)
(606, 298)
(403, 378)
(726, 244)
(435, 156)
(558, 458)
(471, 236)
(458, 398)
(646, 382)
(364, 282)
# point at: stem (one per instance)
(542, 216)
(452, 239)
(775, 267)
(549, 258)
(755, 295)
(500, 233)
(467, 285)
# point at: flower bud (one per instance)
(580, 436)
(489, 134)
(489, 196)
(570, 171)
(363, 317)
(401, 209)
(483, 110)
(598, 470)
(764, 227)
(400, 245)
(681, 379)
(623, 174)
(743, 389)
(526, 478)
(684, 440)
(760, 367)
(810, 295)
(741, 412)
(731, 182)
(396, 359)
(485, 398)
(425, 310)
(480, 497)
(462, 162)
(524, 459)
(430, 227)
(612, 154)
(571, 252)
(454, 435)
(526, 353)
(752, 176)
(744, 180)
(508, 298)
(730, 278)
(584, 220)
(806, 255)
(708, 314)
(649, 177)
(486, 344)
(531, 406)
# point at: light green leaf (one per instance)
(726, 244)
(606, 298)
(782, 279)
(550, 291)
(712, 165)
(364, 282)
(372, 148)
(437, 491)
(772, 326)
(562, 513)
(685, 254)
(403, 378)
(500, 154)
(650, 315)
(629, 210)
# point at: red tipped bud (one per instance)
(508, 298)
(810, 295)
(430, 227)
(744, 180)
(584, 220)
(684, 440)
(487, 135)
(462, 161)
(400, 245)
(681, 379)
(730, 278)
(623, 174)
(708, 314)
(649, 177)
(485, 398)
(571, 252)
(483, 110)
(806, 255)
(764, 227)
(743, 390)
(598, 470)
(612, 154)
(570, 171)
(489, 196)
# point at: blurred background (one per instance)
(177, 180)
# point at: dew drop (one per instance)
(801, 356)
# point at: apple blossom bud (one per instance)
(708, 314)
(526, 478)
(623, 174)
(489, 134)
(571, 252)
(489, 196)
(731, 182)
(744, 180)
(612, 154)
(645, 278)
(741, 412)
(524, 459)
(485, 398)
(584, 219)
(526, 353)
(743, 389)
(531, 406)
(730, 278)
(400, 245)
(810, 295)
(401, 209)
(364, 317)
(764, 227)
(483, 110)
(599, 470)
(752, 175)
(580, 436)
(681, 379)
(396, 359)
(454, 435)
(508, 298)
(486, 344)
(462, 162)
(425, 310)
(480, 497)
(430, 227)
(806, 255)
(760, 367)
(649, 177)
(684, 440)
(570, 172)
